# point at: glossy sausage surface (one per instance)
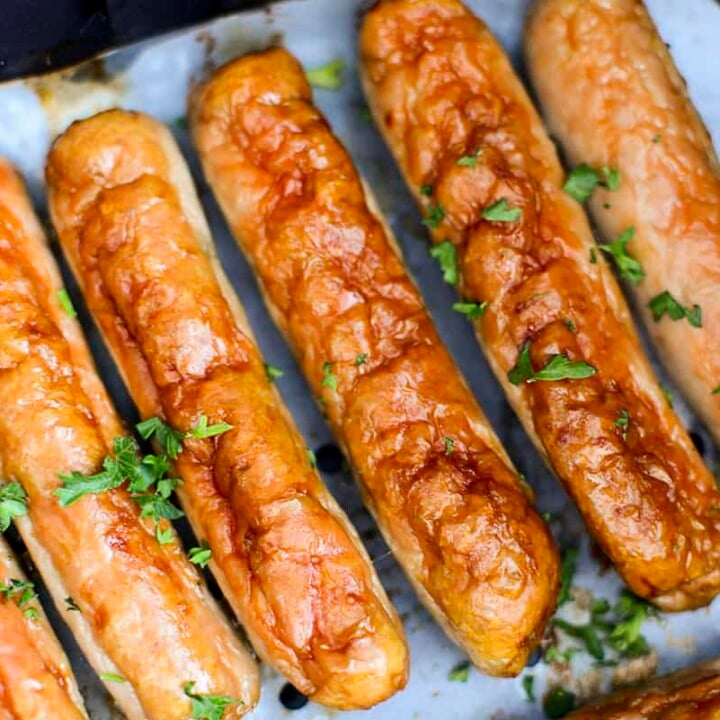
(692, 694)
(433, 473)
(285, 555)
(441, 89)
(145, 613)
(36, 681)
(613, 97)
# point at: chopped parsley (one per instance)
(666, 304)
(668, 394)
(181, 122)
(446, 255)
(13, 503)
(449, 442)
(66, 303)
(71, 605)
(273, 372)
(558, 367)
(311, 457)
(202, 430)
(361, 359)
(612, 178)
(112, 677)
(499, 211)
(426, 190)
(581, 182)
(593, 257)
(22, 591)
(460, 673)
(716, 390)
(469, 160)
(623, 422)
(329, 380)
(656, 139)
(168, 437)
(554, 654)
(207, 707)
(527, 685)
(570, 325)
(587, 634)
(558, 703)
(625, 636)
(567, 572)
(629, 268)
(164, 535)
(435, 216)
(328, 76)
(471, 310)
(200, 556)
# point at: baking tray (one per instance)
(154, 77)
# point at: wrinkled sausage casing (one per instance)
(613, 97)
(285, 555)
(36, 681)
(441, 89)
(692, 694)
(444, 493)
(137, 599)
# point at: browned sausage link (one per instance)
(441, 89)
(690, 694)
(614, 98)
(136, 597)
(286, 556)
(36, 681)
(434, 474)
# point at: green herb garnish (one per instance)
(666, 304)
(435, 216)
(472, 311)
(200, 556)
(66, 303)
(499, 211)
(329, 380)
(558, 703)
(581, 182)
(567, 572)
(13, 503)
(273, 372)
(446, 255)
(207, 707)
(527, 685)
(168, 437)
(328, 76)
(460, 673)
(558, 367)
(202, 430)
(361, 359)
(629, 268)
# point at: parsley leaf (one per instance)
(13, 503)
(23, 591)
(71, 605)
(716, 390)
(558, 703)
(593, 257)
(329, 380)
(460, 673)
(167, 436)
(434, 217)
(112, 677)
(559, 367)
(311, 457)
(665, 303)
(472, 311)
(527, 685)
(656, 138)
(625, 637)
(586, 633)
(668, 394)
(446, 255)
(328, 76)
(469, 160)
(629, 268)
(66, 303)
(361, 359)
(273, 372)
(567, 572)
(570, 325)
(207, 707)
(623, 422)
(164, 536)
(449, 442)
(426, 190)
(499, 211)
(200, 556)
(612, 178)
(581, 182)
(202, 430)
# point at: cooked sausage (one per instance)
(613, 97)
(463, 130)
(36, 680)
(692, 694)
(285, 555)
(433, 473)
(145, 613)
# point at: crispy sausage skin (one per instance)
(441, 88)
(285, 555)
(137, 599)
(613, 96)
(36, 681)
(692, 694)
(457, 516)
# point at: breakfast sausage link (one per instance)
(444, 493)
(690, 694)
(36, 680)
(144, 611)
(285, 555)
(556, 329)
(614, 98)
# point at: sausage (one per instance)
(36, 680)
(464, 132)
(613, 97)
(138, 599)
(285, 555)
(433, 473)
(686, 695)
